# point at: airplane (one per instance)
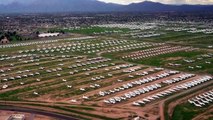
(197, 105)
(136, 104)
(141, 102)
(85, 97)
(74, 101)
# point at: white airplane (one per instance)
(21, 83)
(106, 101)
(136, 104)
(35, 93)
(210, 97)
(69, 86)
(190, 101)
(112, 101)
(197, 105)
(197, 98)
(155, 96)
(141, 102)
(111, 91)
(85, 97)
(146, 90)
(64, 80)
(151, 98)
(146, 100)
(159, 94)
(205, 101)
(201, 103)
(74, 101)
(5, 86)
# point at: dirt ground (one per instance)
(174, 58)
(206, 115)
(4, 115)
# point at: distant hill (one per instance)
(59, 6)
(95, 6)
(159, 7)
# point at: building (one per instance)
(48, 35)
(4, 41)
(17, 117)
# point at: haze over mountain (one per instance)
(94, 6)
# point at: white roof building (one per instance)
(48, 35)
(17, 117)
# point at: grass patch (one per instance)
(161, 59)
(185, 112)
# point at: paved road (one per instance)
(34, 111)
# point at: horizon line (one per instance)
(128, 3)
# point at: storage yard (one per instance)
(107, 77)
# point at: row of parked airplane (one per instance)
(202, 99)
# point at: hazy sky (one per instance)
(130, 1)
(9, 1)
(164, 1)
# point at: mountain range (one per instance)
(41, 6)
